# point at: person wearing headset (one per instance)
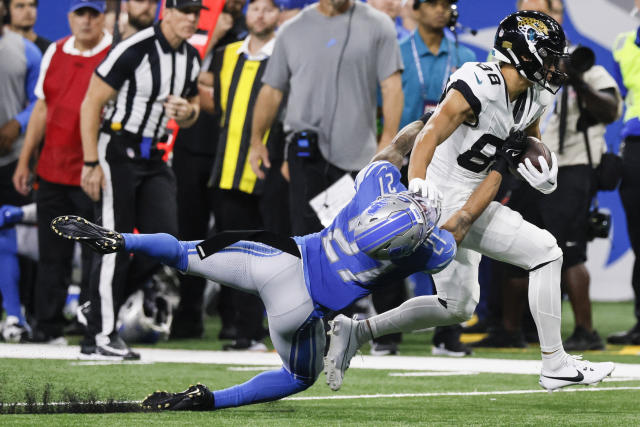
(430, 56)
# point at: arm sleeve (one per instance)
(278, 71)
(389, 58)
(34, 57)
(44, 66)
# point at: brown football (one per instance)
(535, 149)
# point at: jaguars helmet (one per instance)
(395, 225)
(533, 43)
(145, 320)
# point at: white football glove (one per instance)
(545, 181)
(426, 189)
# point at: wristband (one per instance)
(92, 164)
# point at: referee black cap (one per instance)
(182, 4)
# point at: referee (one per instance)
(151, 77)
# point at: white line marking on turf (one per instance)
(250, 368)
(389, 363)
(456, 393)
(110, 362)
(391, 396)
(430, 374)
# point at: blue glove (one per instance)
(10, 215)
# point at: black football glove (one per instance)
(195, 398)
(511, 152)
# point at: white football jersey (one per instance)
(465, 158)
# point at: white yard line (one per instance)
(455, 393)
(391, 363)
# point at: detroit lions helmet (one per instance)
(534, 43)
(145, 320)
(395, 225)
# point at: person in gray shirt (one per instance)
(328, 61)
(19, 70)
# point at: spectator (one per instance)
(193, 157)
(392, 8)
(429, 57)
(236, 70)
(19, 70)
(22, 15)
(64, 76)
(140, 15)
(328, 59)
(123, 167)
(626, 52)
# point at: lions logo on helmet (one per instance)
(144, 320)
(395, 225)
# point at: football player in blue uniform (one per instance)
(384, 233)
(483, 103)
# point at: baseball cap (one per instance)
(179, 4)
(97, 5)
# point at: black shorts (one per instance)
(563, 213)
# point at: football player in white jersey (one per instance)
(484, 103)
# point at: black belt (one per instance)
(142, 143)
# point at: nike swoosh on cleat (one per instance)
(577, 378)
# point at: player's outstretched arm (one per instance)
(461, 221)
(451, 113)
(400, 145)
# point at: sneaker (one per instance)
(195, 398)
(384, 349)
(446, 342)
(575, 371)
(342, 347)
(632, 336)
(244, 344)
(98, 238)
(13, 331)
(581, 340)
(116, 348)
(499, 338)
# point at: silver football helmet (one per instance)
(395, 225)
(146, 321)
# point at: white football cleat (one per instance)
(575, 371)
(342, 348)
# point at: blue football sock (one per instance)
(10, 274)
(161, 246)
(265, 387)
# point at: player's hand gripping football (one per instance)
(544, 180)
(511, 152)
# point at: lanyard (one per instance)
(416, 59)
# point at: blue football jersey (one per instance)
(337, 273)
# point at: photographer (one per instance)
(589, 100)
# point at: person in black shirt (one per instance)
(193, 157)
(151, 77)
(21, 19)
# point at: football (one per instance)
(535, 149)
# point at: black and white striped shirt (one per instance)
(145, 70)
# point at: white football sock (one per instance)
(416, 313)
(546, 308)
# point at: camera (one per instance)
(581, 59)
(598, 224)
